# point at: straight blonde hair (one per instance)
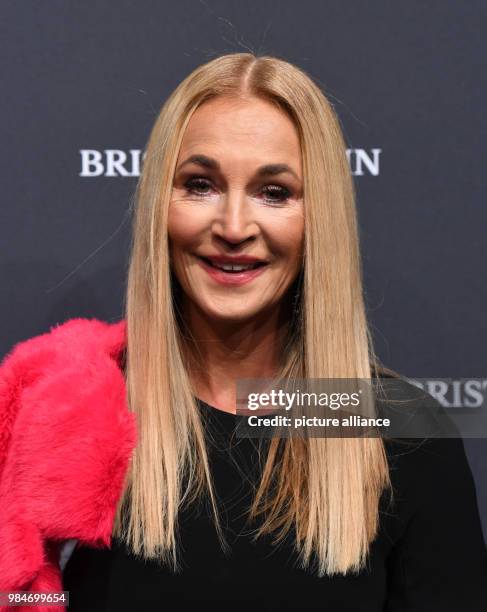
(326, 489)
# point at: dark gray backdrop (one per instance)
(407, 80)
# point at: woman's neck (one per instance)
(221, 352)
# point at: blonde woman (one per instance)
(245, 263)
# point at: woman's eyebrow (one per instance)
(211, 164)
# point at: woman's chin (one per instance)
(230, 312)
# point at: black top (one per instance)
(429, 555)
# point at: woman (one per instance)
(245, 264)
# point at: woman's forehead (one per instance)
(252, 129)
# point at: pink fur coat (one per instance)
(66, 438)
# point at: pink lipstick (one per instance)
(239, 270)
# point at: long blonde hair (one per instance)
(326, 489)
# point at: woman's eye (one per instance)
(197, 186)
(277, 193)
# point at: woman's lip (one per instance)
(230, 278)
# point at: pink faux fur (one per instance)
(66, 438)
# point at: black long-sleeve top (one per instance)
(429, 555)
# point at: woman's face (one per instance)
(237, 199)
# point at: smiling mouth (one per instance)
(234, 268)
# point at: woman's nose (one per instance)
(234, 219)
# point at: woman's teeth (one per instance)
(234, 267)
